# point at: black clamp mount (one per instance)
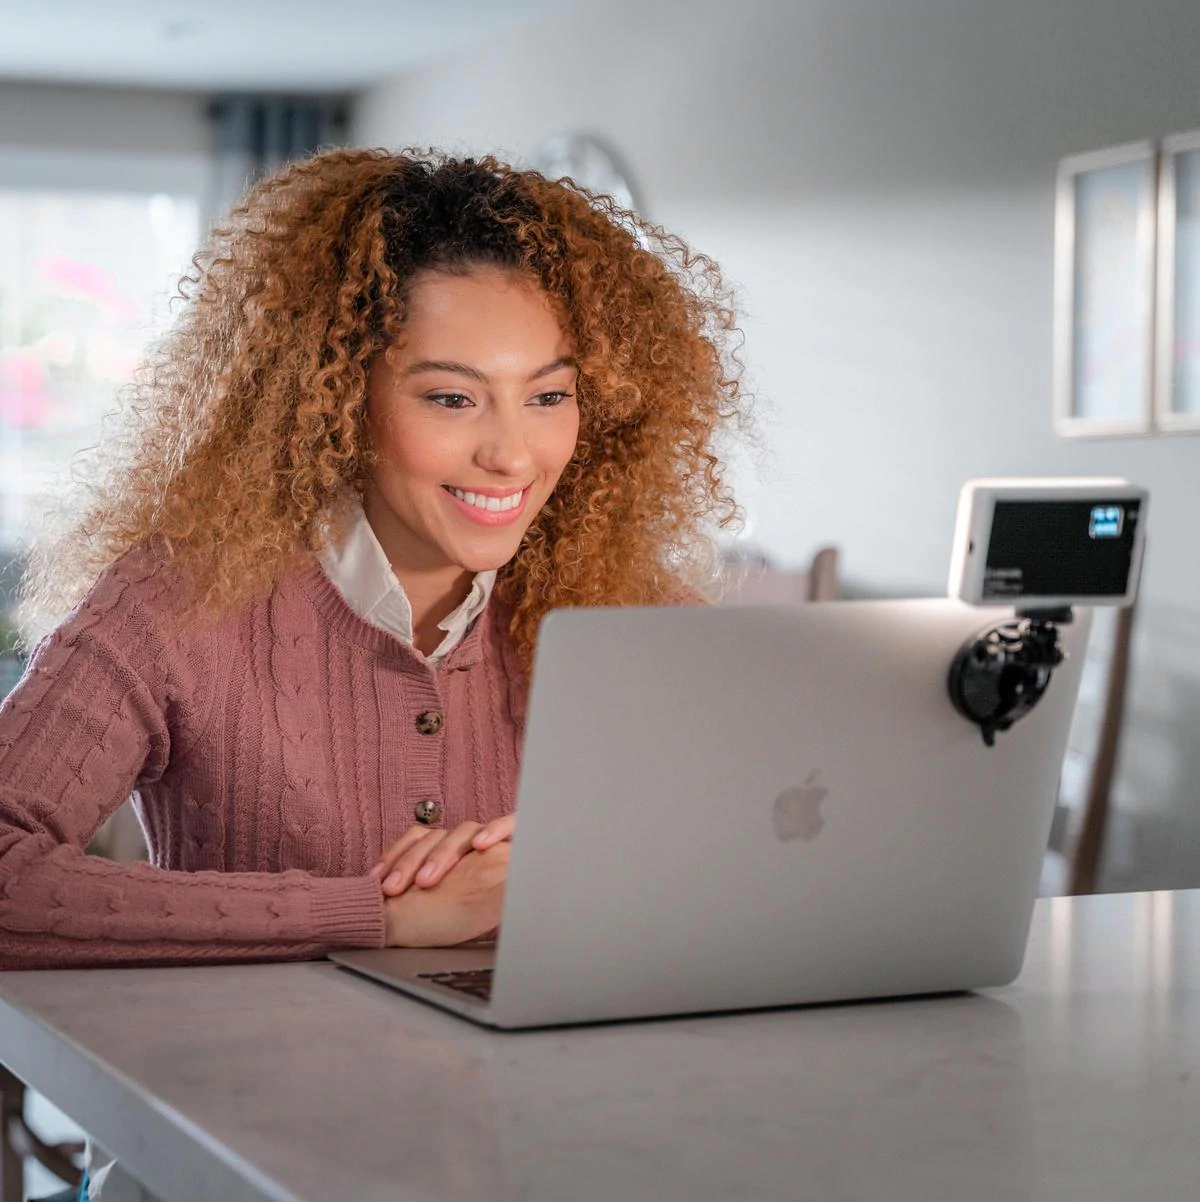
(1001, 675)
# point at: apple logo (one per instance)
(797, 813)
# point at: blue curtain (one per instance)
(254, 135)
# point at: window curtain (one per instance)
(255, 135)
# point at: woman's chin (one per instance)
(481, 561)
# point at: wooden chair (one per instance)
(1088, 846)
(19, 1143)
(823, 575)
(1077, 837)
(752, 580)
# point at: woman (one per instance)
(412, 404)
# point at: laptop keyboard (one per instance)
(477, 982)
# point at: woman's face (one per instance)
(473, 417)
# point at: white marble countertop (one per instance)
(305, 1082)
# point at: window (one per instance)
(84, 282)
(92, 244)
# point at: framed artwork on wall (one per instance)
(1104, 288)
(1177, 383)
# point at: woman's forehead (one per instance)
(482, 314)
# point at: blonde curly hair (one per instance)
(246, 423)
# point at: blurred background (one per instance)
(876, 177)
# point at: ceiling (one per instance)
(260, 45)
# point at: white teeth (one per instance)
(491, 504)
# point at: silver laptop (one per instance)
(732, 808)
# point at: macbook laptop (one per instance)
(731, 808)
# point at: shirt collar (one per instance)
(359, 569)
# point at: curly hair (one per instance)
(247, 421)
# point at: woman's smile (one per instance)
(493, 507)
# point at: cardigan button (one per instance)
(428, 811)
(430, 722)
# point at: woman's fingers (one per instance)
(411, 837)
(404, 870)
(423, 856)
(494, 832)
(447, 853)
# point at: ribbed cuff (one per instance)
(348, 911)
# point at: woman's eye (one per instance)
(549, 399)
(450, 400)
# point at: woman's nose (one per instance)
(505, 447)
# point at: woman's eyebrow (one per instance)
(464, 369)
(562, 361)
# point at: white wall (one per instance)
(108, 139)
(55, 116)
(877, 177)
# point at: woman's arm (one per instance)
(92, 719)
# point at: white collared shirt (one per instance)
(360, 571)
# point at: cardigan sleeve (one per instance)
(93, 717)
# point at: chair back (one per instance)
(756, 582)
(1088, 847)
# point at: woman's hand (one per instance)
(465, 906)
(423, 857)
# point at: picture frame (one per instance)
(1177, 375)
(1104, 288)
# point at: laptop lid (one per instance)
(723, 808)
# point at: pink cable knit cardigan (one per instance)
(274, 752)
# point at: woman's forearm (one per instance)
(61, 909)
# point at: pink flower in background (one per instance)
(26, 402)
(24, 399)
(77, 278)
